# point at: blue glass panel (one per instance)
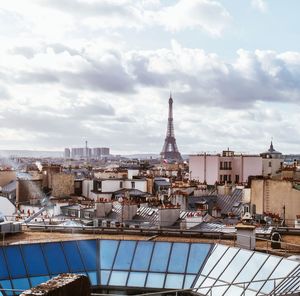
(197, 255)
(93, 278)
(3, 268)
(124, 255)
(15, 262)
(136, 279)
(73, 256)
(104, 275)
(108, 250)
(155, 280)
(88, 251)
(174, 281)
(178, 257)
(21, 284)
(34, 260)
(55, 258)
(7, 285)
(160, 256)
(142, 255)
(38, 280)
(118, 278)
(189, 279)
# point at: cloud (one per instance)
(207, 15)
(260, 5)
(201, 78)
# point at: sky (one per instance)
(102, 71)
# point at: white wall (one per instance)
(204, 168)
(138, 184)
(6, 207)
(252, 166)
(87, 187)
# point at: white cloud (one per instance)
(260, 5)
(207, 15)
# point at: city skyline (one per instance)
(103, 71)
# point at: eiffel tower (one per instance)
(170, 151)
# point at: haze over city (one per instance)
(102, 71)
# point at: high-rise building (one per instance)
(67, 153)
(170, 151)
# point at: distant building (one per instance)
(272, 161)
(67, 153)
(86, 152)
(226, 167)
(99, 152)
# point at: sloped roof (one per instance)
(231, 203)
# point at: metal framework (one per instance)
(170, 150)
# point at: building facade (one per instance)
(226, 167)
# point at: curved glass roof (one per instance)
(135, 264)
(206, 268)
(235, 271)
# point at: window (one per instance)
(225, 178)
(229, 164)
(99, 186)
(237, 179)
(221, 178)
(121, 184)
(132, 185)
(270, 164)
(221, 165)
(225, 165)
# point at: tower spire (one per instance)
(170, 151)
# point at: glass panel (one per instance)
(155, 280)
(88, 251)
(34, 259)
(281, 271)
(178, 257)
(188, 281)
(226, 258)
(236, 265)
(198, 253)
(73, 256)
(7, 285)
(108, 250)
(217, 253)
(264, 272)
(234, 290)
(199, 281)
(21, 284)
(142, 256)
(174, 281)
(160, 256)
(284, 268)
(219, 289)
(15, 262)
(249, 293)
(206, 284)
(118, 278)
(3, 268)
(251, 268)
(55, 258)
(38, 280)
(104, 275)
(124, 255)
(93, 278)
(137, 279)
